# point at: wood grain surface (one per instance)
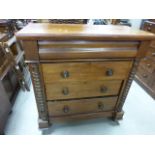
(52, 72)
(57, 108)
(37, 31)
(68, 90)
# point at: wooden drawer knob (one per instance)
(65, 91)
(109, 72)
(100, 106)
(65, 109)
(103, 89)
(65, 74)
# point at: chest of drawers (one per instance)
(81, 71)
(145, 75)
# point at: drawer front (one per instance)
(58, 108)
(78, 49)
(85, 71)
(68, 90)
(144, 75)
(147, 64)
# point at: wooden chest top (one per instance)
(81, 32)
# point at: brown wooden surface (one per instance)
(3, 36)
(31, 50)
(5, 107)
(146, 71)
(87, 44)
(89, 53)
(145, 86)
(142, 49)
(81, 31)
(148, 65)
(54, 91)
(118, 115)
(56, 108)
(39, 91)
(151, 53)
(152, 44)
(85, 53)
(149, 26)
(49, 50)
(82, 60)
(52, 72)
(144, 75)
(5, 65)
(79, 117)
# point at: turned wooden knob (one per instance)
(103, 89)
(65, 74)
(65, 91)
(109, 72)
(65, 109)
(100, 106)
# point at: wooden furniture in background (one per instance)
(5, 107)
(13, 74)
(15, 56)
(145, 75)
(7, 27)
(82, 71)
(8, 85)
(7, 74)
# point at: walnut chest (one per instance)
(82, 71)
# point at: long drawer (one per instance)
(70, 107)
(81, 89)
(52, 50)
(53, 72)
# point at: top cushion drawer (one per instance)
(51, 50)
(77, 71)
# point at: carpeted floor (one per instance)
(139, 118)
